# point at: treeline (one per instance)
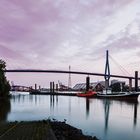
(4, 83)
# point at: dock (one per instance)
(61, 93)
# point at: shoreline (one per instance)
(64, 131)
(41, 130)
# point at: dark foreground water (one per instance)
(106, 119)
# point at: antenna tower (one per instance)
(69, 80)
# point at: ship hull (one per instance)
(120, 96)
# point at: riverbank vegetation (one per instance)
(4, 83)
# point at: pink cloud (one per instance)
(53, 34)
(9, 53)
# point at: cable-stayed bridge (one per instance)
(106, 75)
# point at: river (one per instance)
(106, 119)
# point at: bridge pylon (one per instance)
(107, 71)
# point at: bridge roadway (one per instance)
(72, 72)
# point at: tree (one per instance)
(4, 83)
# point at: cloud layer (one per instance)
(50, 34)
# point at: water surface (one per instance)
(106, 119)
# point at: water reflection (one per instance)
(69, 106)
(5, 108)
(87, 107)
(52, 101)
(107, 119)
(108, 103)
(135, 114)
(18, 98)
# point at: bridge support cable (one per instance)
(122, 69)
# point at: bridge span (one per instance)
(67, 72)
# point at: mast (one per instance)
(69, 79)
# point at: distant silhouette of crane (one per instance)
(69, 79)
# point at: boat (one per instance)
(119, 95)
(87, 94)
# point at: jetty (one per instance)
(61, 93)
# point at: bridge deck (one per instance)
(72, 72)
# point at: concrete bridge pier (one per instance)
(130, 84)
(136, 81)
(106, 84)
(87, 83)
(56, 87)
(35, 86)
(51, 87)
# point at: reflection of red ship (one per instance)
(87, 94)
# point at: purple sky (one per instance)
(53, 34)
